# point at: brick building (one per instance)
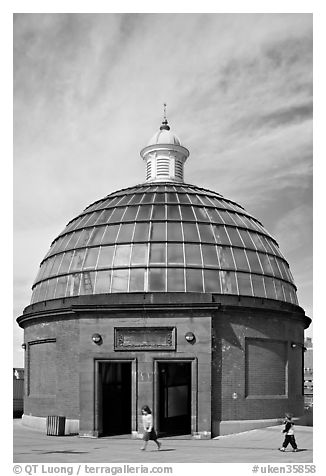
(169, 295)
(308, 373)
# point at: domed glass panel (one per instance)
(165, 237)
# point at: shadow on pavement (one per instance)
(61, 451)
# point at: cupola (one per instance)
(164, 155)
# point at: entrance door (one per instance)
(174, 395)
(116, 397)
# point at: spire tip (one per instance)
(165, 124)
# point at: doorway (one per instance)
(115, 388)
(174, 398)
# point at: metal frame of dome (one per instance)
(161, 238)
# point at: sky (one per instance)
(88, 95)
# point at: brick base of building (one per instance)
(239, 426)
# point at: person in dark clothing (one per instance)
(289, 434)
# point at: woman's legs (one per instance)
(145, 440)
(158, 444)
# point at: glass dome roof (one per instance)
(164, 237)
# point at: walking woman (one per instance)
(149, 432)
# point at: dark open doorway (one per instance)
(174, 394)
(115, 378)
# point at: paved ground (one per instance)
(256, 446)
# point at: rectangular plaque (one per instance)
(144, 338)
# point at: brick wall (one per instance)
(146, 364)
(225, 360)
(265, 367)
(52, 369)
(255, 371)
(42, 368)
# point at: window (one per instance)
(122, 255)
(87, 282)
(226, 258)
(144, 213)
(158, 231)
(257, 241)
(61, 287)
(270, 288)
(159, 198)
(46, 268)
(226, 217)
(104, 216)
(190, 232)
(240, 259)
(148, 197)
(136, 280)
(172, 197)
(175, 253)
(193, 256)
(210, 256)
(158, 212)
(174, 231)
(141, 231)
(220, 235)
(84, 237)
(258, 285)
(244, 284)
(254, 261)
(117, 215)
(195, 200)
(139, 254)
(110, 234)
(212, 281)
(130, 214)
(103, 279)
(125, 233)
(201, 214)
(73, 285)
(213, 215)
(173, 212)
(187, 213)
(105, 257)
(279, 290)
(157, 253)
(120, 281)
(51, 288)
(206, 233)
(65, 264)
(73, 240)
(96, 236)
(176, 280)
(91, 258)
(228, 282)
(234, 236)
(156, 279)
(194, 280)
(77, 261)
(183, 198)
(246, 238)
(276, 270)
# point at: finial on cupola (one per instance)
(164, 156)
(165, 126)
